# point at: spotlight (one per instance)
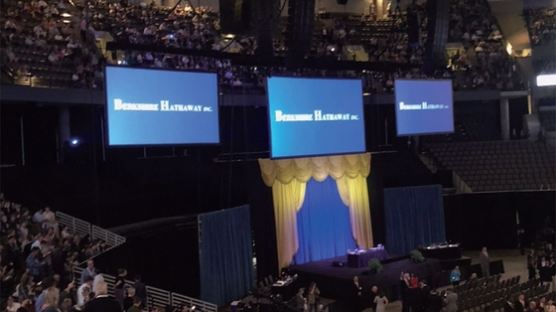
(74, 142)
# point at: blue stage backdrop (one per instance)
(414, 216)
(323, 224)
(225, 254)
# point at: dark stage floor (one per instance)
(336, 282)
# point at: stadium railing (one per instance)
(74, 224)
(157, 297)
(84, 228)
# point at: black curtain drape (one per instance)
(414, 217)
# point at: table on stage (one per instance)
(359, 258)
(442, 251)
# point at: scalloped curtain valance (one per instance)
(318, 168)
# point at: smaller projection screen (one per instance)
(424, 107)
(310, 116)
(161, 107)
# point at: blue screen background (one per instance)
(304, 95)
(414, 122)
(134, 85)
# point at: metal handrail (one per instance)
(155, 296)
(83, 228)
(159, 297)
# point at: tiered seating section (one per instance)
(470, 127)
(41, 45)
(148, 24)
(483, 62)
(498, 166)
(60, 249)
(541, 24)
(361, 37)
(492, 294)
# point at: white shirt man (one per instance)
(83, 292)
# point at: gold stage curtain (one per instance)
(288, 199)
(288, 179)
(355, 195)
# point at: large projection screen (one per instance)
(424, 107)
(161, 107)
(315, 116)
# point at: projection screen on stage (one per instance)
(315, 116)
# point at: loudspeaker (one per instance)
(342, 2)
(235, 16)
(299, 30)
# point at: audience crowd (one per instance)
(483, 61)
(541, 24)
(541, 261)
(41, 40)
(51, 40)
(182, 27)
(37, 260)
(252, 77)
(362, 37)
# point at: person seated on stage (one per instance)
(300, 301)
(455, 276)
(313, 294)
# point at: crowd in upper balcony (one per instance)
(55, 41)
(44, 40)
(541, 24)
(147, 24)
(363, 37)
(482, 61)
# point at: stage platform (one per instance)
(336, 282)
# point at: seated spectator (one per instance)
(129, 298)
(102, 301)
(520, 305)
(84, 291)
(136, 307)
